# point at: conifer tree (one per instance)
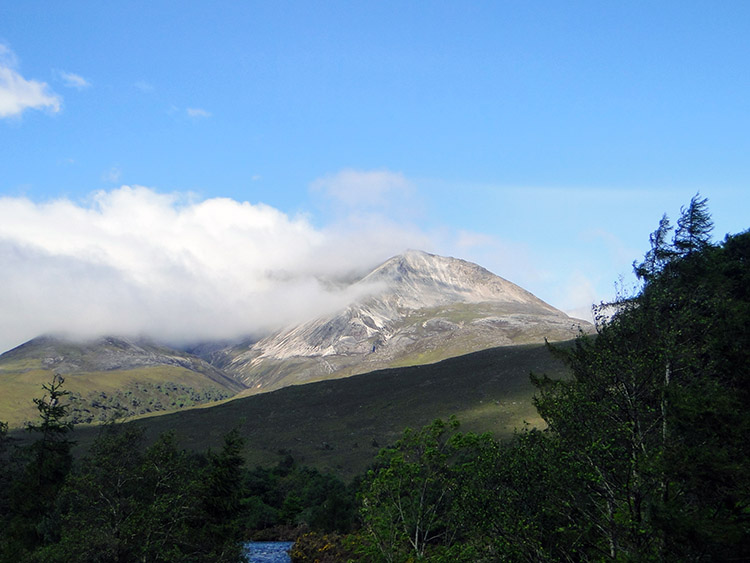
(693, 227)
(47, 462)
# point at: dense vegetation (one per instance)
(644, 457)
(137, 399)
(122, 502)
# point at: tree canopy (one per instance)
(645, 456)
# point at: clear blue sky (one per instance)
(543, 140)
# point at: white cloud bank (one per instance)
(133, 261)
(18, 94)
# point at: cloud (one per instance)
(198, 112)
(356, 189)
(580, 295)
(18, 94)
(134, 261)
(74, 80)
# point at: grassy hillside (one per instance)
(340, 425)
(107, 377)
(152, 384)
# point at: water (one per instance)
(269, 551)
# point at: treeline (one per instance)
(127, 502)
(123, 502)
(138, 398)
(645, 457)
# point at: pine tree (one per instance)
(693, 227)
(47, 463)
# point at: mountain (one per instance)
(108, 376)
(416, 308)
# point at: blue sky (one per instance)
(543, 140)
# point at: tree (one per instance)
(408, 503)
(100, 507)
(645, 455)
(693, 227)
(160, 504)
(220, 494)
(45, 465)
(661, 252)
(655, 415)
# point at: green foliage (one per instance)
(289, 496)
(158, 504)
(122, 502)
(655, 418)
(645, 457)
(36, 474)
(138, 399)
(220, 492)
(411, 502)
(693, 227)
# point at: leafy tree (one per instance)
(408, 499)
(293, 496)
(504, 499)
(101, 504)
(645, 455)
(159, 504)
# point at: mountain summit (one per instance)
(417, 279)
(415, 308)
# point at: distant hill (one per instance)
(416, 308)
(339, 425)
(108, 377)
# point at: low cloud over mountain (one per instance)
(133, 261)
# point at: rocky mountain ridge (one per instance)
(418, 308)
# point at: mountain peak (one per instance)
(415, 306)
(418, 279)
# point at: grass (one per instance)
(19, 387)
(339, 425)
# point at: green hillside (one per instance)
(340, 425)
(107, 378)
(112, 392)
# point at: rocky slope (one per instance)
(418, 308)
